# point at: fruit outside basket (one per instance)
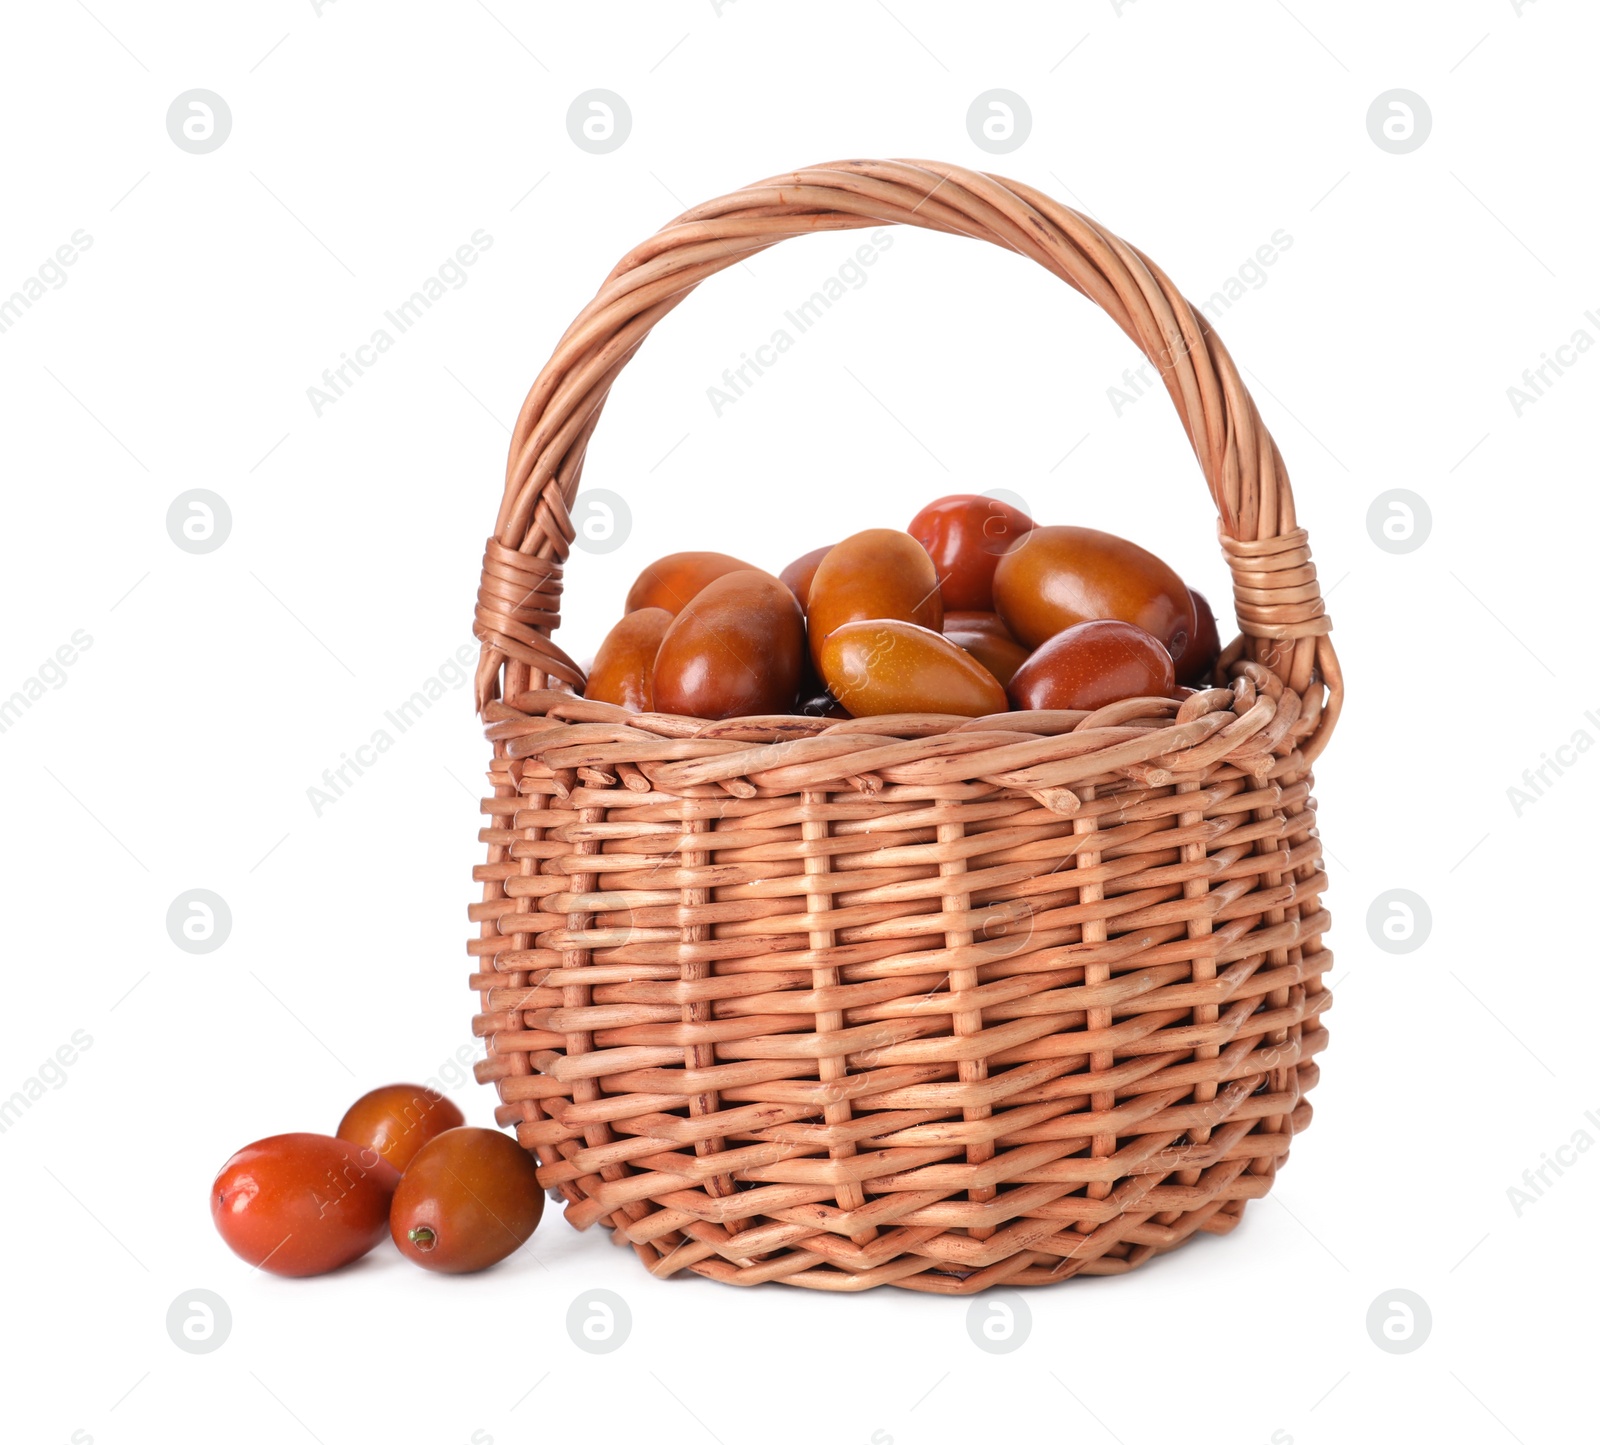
(924, 1001)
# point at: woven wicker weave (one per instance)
(925, 1001)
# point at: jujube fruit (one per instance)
(734, 651)
(820, 704)
(673, 581)
(987, 622)
(798, 574)
(966, 536)
(1062, 576)
(1092, 664)
(986, 637)
(1199, 658)
(397, 1120)
(1001, 656)
(887, 666)
(623, 666)
(470, 1198)
(302, 1204)
(875, 574)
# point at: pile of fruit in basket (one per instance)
(453, 1199)
(972, 610)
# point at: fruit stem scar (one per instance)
(423, 1237)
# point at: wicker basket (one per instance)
(925, 1001)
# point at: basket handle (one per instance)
(1276, 597)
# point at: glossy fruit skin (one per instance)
(398, 1119)
(1091, 665)
(623, 666)
(674, 581)
(1199, 658)
(735, 651)
(966, 536)
(986, 637)
(303, 1204)
(1061, 576)
(991, 624)
(798, 574)
(876, 574)
(470, 1198)
(887, 666)
(1000, 656)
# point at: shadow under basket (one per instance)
(929, 1001)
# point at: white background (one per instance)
(367, 143)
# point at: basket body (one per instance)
(935, 1002)
(923, 1029)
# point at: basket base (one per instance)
(836, 1265)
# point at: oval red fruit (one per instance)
(398, 1119)
(1091, 665)
(468, 1199)
(966, 536)
(1062, 576)
(302, 1204)
(735, 651)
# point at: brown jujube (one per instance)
(887, 666)
(735, 651)
(878, 573)
(1061, 576)
(1199, 658)
(990, 623)
(797, 576)
(1091, 665)
(398, 1119)
(1001, 656)
(674, 581)
(622, 668)
(470, 1198)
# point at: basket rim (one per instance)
(1255, 723)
